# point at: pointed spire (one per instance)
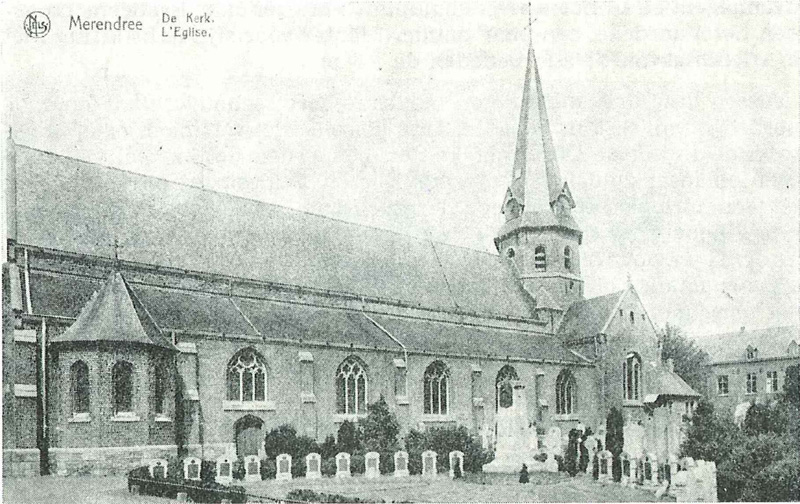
(535, 164)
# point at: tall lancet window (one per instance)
(539, 258)
(567, 258)
(351, 387)
(565, 393)
(247, 377)
(632, 376)
(122, 387)
(436, 390)
(79, 373)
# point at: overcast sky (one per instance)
(675, 124)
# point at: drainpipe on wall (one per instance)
(387, 333)
(26, 274)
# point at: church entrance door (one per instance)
(249, 434)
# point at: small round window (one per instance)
(510, 253)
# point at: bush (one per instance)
(237, 470)
(746, 461)
(269, 469)
(710, 436)
(583, 462)
(303, 494)
(614, 440)
(198, 491)
(328, 448)
(328, 466)
(208, 471)
(779, 482)
(571, 458)
(348, 439)
(443, 440)
(415, 441)
(415, 462)
(387, 462)
(357, 464)
(540, 457)
(380, 428)
(284, 439)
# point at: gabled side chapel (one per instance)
(141, 315)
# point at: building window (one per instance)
(247, 377)
(633, 318)
(436, 389)
(160, 389)
(772, 382)
(722, 385)
(752, 383)
(567, 258)
(122, 387)
(632, 376)
(79, 374)
(539, 258)
(504, 388)
(565, 393)
(510, 253)
(752, 353)
(351, 387)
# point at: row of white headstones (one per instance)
(691, 480)
(283, 465)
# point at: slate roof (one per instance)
(772, 342)
(114, 314)
(180, 310)
(75, 206)
(671, 384)
(587, 318)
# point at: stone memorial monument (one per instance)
(514, 434)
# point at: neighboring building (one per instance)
(142, 315)
(749, 366)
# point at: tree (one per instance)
(614, 440)
(380, 428)
(691, 362)
(710, 436)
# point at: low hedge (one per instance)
(305, 495)
(197, 491)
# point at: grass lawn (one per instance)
(543, 487)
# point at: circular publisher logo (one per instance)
(37, 24)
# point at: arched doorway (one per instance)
(248, 435)
(504, 389)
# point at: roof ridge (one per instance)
(760, 329)
(253, 200)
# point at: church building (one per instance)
(142, 315)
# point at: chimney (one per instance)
(671, 365)
(741, 329)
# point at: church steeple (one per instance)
(540, 236)
(535, 169)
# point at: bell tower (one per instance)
(540, 236)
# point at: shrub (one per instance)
(328, 466)
(357, 464)
(284, 439)
(571, 458)
(348, 439)
(269, 469)
(710, 436)
(583, 462)
(208, 471)
(415, 462)
(237, 470)
(415, 441)
(328, 448)
(778, 482)
(540, 457)
(746, 461)
(387, 462)
(303, 494)
(615, 440)
(560, 462)
(380, 428)
(443, 440)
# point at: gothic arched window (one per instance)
(568, 258)
(436, 389)
(247, 377)
(122, 387)
(539, 258)
(160, 388)
(79, 378)
(351, 387)
(632, 376)
(565, 393)
(504, 387)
